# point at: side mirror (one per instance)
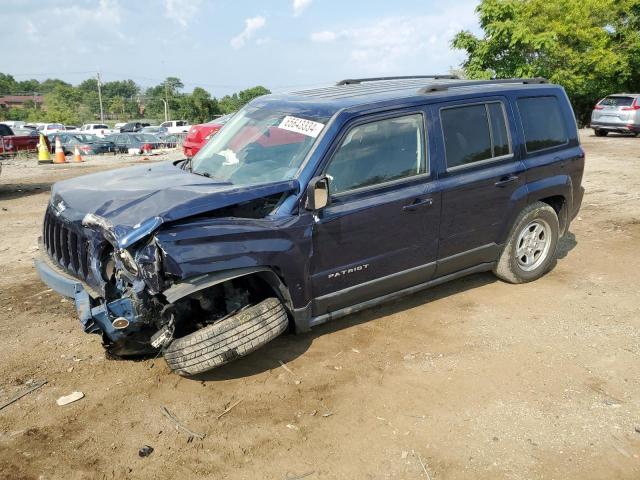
(317, 193)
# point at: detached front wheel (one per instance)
(530, 251)
(228, 339)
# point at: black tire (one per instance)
(509, 267)
(600, 133)
(224, 341)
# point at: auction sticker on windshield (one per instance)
(300, 125)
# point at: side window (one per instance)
(378, 152)
(473, 133)
(542, 122)
(4, 130)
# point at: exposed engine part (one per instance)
(235, 298)
(164, 336)
(120, 323)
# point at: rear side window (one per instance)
(5, 131)
(378, 152)
(542, 122)
(473, 133)
(617, 102)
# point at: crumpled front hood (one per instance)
(130, 197)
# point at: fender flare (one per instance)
(201, 282)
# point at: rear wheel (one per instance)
(228, 339)
(600, 133)
(530, 251)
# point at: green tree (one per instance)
(62, 104)
(50, 84)
(117, 107)
(8, 84)
(590, 47)
(232, 103)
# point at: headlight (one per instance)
(128, 262)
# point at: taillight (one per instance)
(634, 106)
(85, 148)
(147, 147)
(598, 107)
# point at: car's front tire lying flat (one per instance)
(228, 339)
(530, 251)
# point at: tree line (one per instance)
(590, 47)
(122, 100)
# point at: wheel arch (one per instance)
(201, 282)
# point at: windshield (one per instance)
(258, 146)
(221, 120)
(84, 138)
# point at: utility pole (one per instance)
(100, 99)
(166, 102)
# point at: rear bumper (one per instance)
(616, 127)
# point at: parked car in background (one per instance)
(134, 143)
(200, 134)
(10, 143)
(87, 144)
(99, 129)
(313, 205)
(155, 130)
(71, 128)
(21, 132)
(48, 128)
(13, 124)
(119, 125)
(132, 127)
(176, 126)
(617, 113)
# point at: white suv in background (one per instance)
(176, 126)
(48, 128)
(617, 113)
(98, 129)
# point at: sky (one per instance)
(225, 46)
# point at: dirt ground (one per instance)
(476, 379)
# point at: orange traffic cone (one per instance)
(59, 152)
(76, 155)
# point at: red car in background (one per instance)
(198, 135)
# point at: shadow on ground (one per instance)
(567, 243)
(11, 191)
(288, 347)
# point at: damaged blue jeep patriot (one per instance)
(312, 205)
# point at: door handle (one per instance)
(506, 180)
(425, 202)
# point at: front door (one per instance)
(379, 233)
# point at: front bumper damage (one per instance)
(123, 328)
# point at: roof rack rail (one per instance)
(437, 87)
(354, 81)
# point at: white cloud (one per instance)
(324, 36)
(182, 11)
(389, 45)
(300, 5)
(251, 26)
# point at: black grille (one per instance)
(65, 246)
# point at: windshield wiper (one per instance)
(187, 164)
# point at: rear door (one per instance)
(482, 180)
(379, 233)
